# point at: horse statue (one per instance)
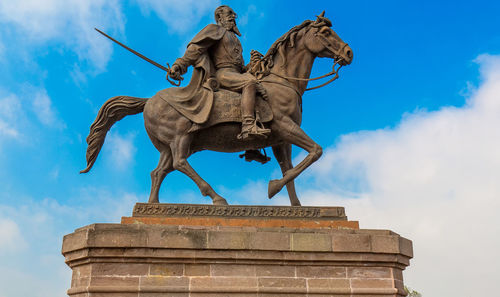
(284, 72)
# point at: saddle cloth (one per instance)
(227, 108)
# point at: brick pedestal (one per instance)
(153, 257)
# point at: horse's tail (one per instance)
(111, 112)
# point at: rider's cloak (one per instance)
(196, 99)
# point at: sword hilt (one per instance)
(178, 83)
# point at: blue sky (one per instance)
(410, 130)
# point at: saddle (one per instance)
(227, 108)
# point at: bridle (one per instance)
(334, 71)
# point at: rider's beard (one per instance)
(231, 26)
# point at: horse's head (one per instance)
(322, 41)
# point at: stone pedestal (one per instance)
(187, 250)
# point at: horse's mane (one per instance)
(264, 65)
(280, 43)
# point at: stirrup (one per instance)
(255, 155)
(253, 129)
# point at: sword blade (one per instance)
(133, 51)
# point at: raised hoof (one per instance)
(219, 201)
(274, 188)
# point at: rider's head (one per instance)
(226, 17)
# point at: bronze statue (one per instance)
(219, 109)
(219, 43)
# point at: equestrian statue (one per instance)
(229, 106)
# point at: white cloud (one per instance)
(7, 130)
(435, 179)
(179, 16)
(31, 235)
(69, 22)
(243, 19)
(42, 107)
(10, 235)
(120, 149)
(10, 107)
(21, 115)
(2, 50)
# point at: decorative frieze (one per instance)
(237, 211)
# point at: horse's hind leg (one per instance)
(181, 151)
(158, 175)
(283, 154)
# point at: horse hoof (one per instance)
(273, 188)
(219, 201)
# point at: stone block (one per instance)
(371, 283)
(164, 281)
(222, 282)
(311, 242)
(166, 269)
(82, 271)
(399, 285)
(131, 281)
(279, 241)
(275, 270)
(119, 269)
(232, 270)
(111, 235)
(80, 282)
(181, 239)
(337, 283)
(225, 294)
(74, 241)
(197, 269)
(147, 294)
(112, 294)
(311, 271)
(385, 244)
(282, 282)
(397, 274)
(374, 232)
(351, 243)
(229, 240)
(369, 272)
(406, 247)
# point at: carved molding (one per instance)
(237, 211)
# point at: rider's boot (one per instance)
(249, 128)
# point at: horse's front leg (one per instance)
(283, 154)
(290, 132)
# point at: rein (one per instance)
(333, 72)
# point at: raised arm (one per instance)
(197, 47)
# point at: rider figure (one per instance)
(222, 45)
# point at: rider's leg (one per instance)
(247, 84)
(249, 125)
(247, 109)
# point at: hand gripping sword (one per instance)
(167, 69)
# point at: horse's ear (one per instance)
(321, 19)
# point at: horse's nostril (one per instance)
(349, 54)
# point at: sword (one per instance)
(167, 69)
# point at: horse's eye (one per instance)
(325, 31)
